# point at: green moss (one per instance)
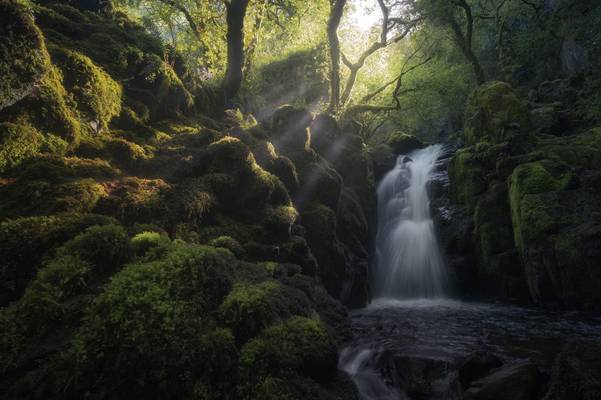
(467, 176)
(146, 329)
(495, 114)
(249, 308)
(583, 149)
(24, 241)
(23, 55)
(149, 242)
(107, 248)
(229, 243)
(17, 143)
(533, 205)
(97, 95)
(125, 153)
(35, 197)
(299, 345)
(65, 169)
(134, 200)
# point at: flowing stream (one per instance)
(410, 341)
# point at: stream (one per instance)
(413, 342)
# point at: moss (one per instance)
(583, 149)
(25, 241)
(107, 248)
(218, 360)
(149, 242)
(17, 143)
(297, 346)
(23, 53)
(125, 153)
(192, 201)
(135, 200)
(229, 243)
(35, 197)
(533, 205)
(403, 143)
(146, 330)
(495, 114)
(97, 95)
(65, 169)
(49, 110)
(298, 388)
(249, 308)
(468, 178)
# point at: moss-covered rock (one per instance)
(18, 143)
(556, 231)
(147, 328)
(298, 346)
(25, 241)
(250, 308)
(468, 177)
(290, 129)
(23, 53)
(495, 114)
(97, 95)
(148, 243)
(403, 143)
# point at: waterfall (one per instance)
(408, 259)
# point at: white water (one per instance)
(408, 259)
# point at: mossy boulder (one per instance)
(148, 243)
(557, 232)
(495, 114)
(290, 129)
(403, 143)
(148, 328)
(18, 143)
(325, 135)
(97, 95)
(299, 346)
(468, 177)
(251, 307)
(23, 53)
(25, 241)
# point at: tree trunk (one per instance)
(236, 11)
(333, 24)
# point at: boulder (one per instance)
(519, 381)
(290, 129)
(495, 114)
(576, 374)
(403, 143)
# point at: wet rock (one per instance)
(520, 381)
(547, 119)
(576, 374)
(476, 366)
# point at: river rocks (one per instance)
(476, 366)
(519, 381)
(576, 373)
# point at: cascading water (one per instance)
(409, 263)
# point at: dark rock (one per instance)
(574, 57)
(403, 143)
(576, 374)
(519, 381)
(477, 366)
(290, 129)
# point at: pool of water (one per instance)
(442, 332)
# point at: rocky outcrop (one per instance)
(533, 199)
